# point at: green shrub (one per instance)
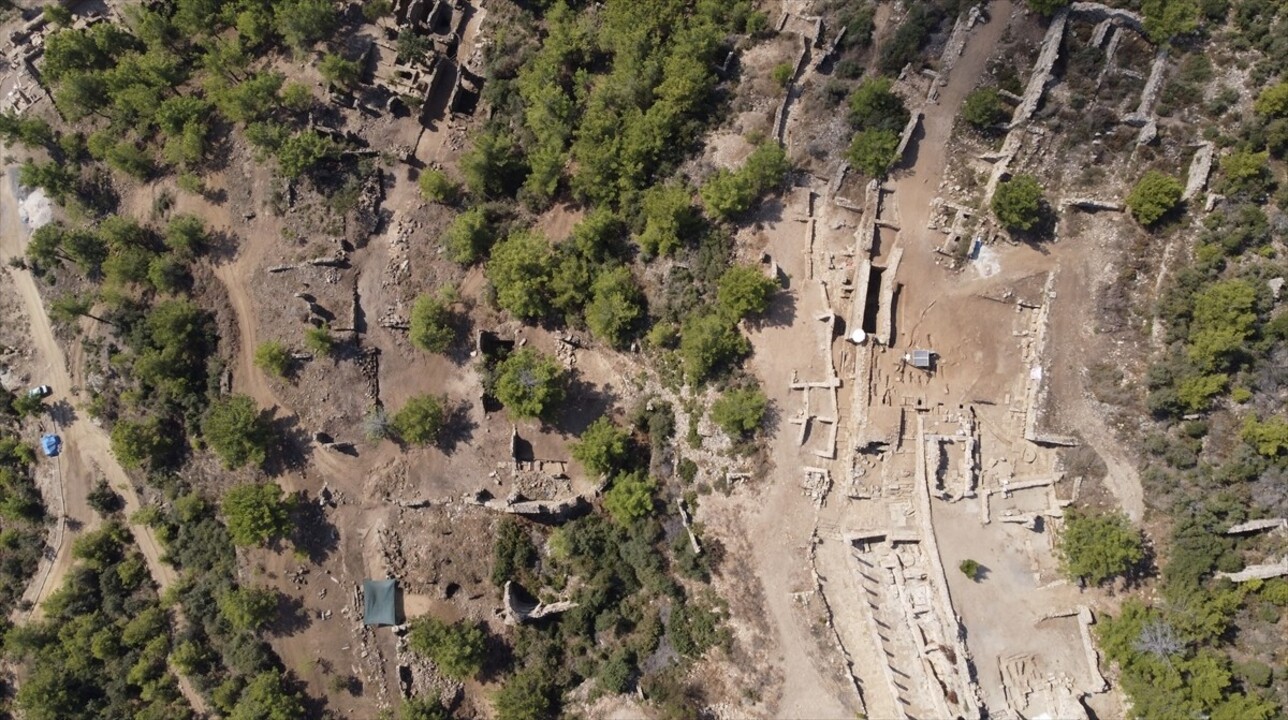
(616, 306)
(435, 186)
(782, 74)
(529, 694)
(1273, 101)
(470, 236)
(272, 357)
(248, 609)
(320, 340)
(1153, 197)
(1097, 547)
(520, 269)
(1047, 7)
(730, 193)
(984, 108)
(513, 553)
(745, 290)
(1017, 203)
(1245, 173)
(1269, 436)
(602, 448)
(529, 383)
(456, 649)
(875, 106)
(421, 420)
(630, 497)
(710, 343)
(970, 569)
(739, 412)
(431, 324)
(256, 513)
(237, 431)
(873, 152)
(669, 218)
(140, 443)
(338, 71)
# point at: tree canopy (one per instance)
(709, 343)
(431, 324)
(520, 269)
(1154, 196)
(529, 383)
(1017, 203)
(872, 152)
(630, 497)
(984, 108)
(237, 431)
(1097, 547)
(602, 447)
(256, 513)
(739, 412)
(456, 649)
(745, 290)
(421, 420)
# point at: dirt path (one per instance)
(815, 686)
(917, 186)
(87, 448)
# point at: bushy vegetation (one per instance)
(437, 187)
(745, 290)
(984, 108)
(729, 193)
(630, 497)
(1153, 197)
(432, 323)
(1097, 547)
(1018, 202)
(456, 649)
(102, 646)
(272, 357)
(739, 412)
(237, 431)
(421, 420)
(878, 116)
(22, 515)
(529, 384)
(602, 448)
(256, 513)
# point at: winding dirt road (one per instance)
(86, 446)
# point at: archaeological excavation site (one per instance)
(661, 359)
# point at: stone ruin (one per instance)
(517, 610)
(436, 83)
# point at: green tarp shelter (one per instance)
(378, 602)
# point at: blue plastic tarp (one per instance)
(51, 444)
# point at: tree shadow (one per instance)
(62, 412)
(583, 404)
(313, 533)
(781, 311)
(771, 420)
(222, 247)
(458, 427)
(291, 617)
(291, 445)
(462, 350)
(1042, 232)
(906, 163)
(498, 658)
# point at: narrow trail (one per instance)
(86, 445)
